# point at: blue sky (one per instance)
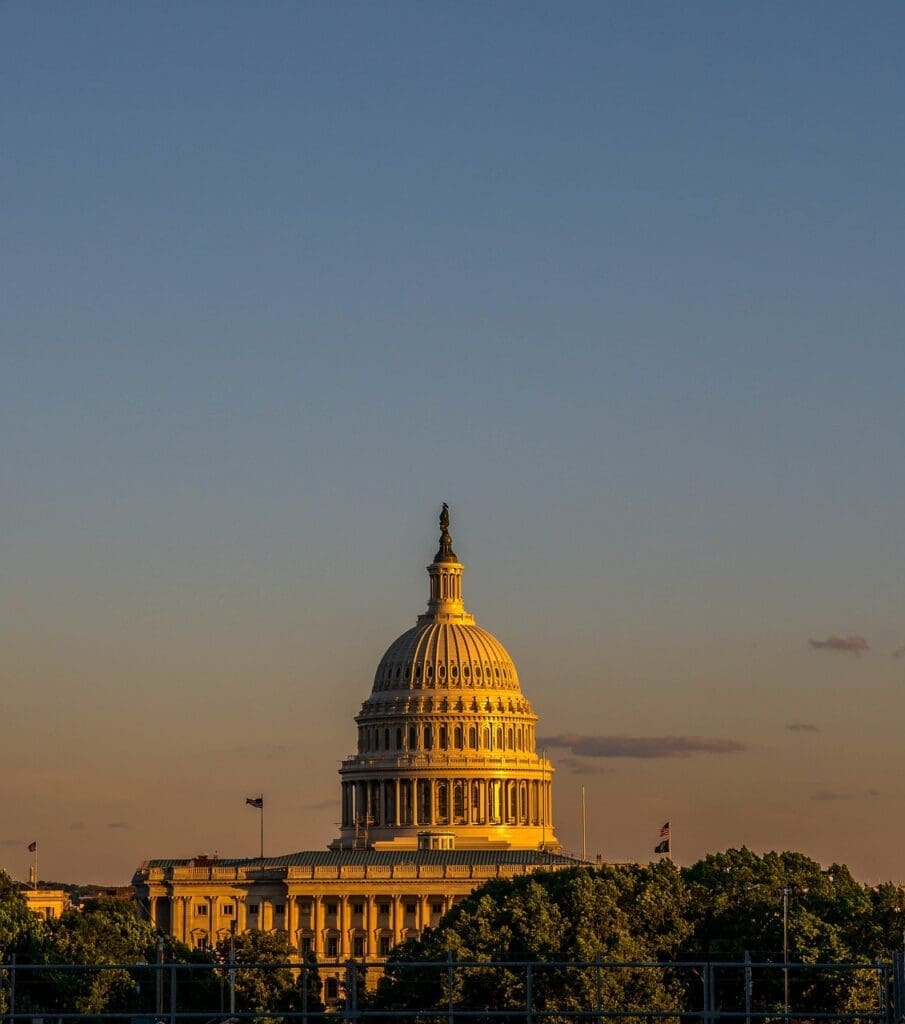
(622, 283)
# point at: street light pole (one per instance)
(786, 893)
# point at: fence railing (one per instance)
(545, 992)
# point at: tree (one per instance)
(611, 914)
(264, 983)
(21, 934)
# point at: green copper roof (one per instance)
(387, 858)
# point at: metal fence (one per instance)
(547, 992)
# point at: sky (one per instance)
(620, 282)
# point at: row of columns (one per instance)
(406, 802)
(371, 927)
(418, 739)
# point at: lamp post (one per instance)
(786, 893)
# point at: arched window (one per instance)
(399, 739)
(386, 739)
(457, 737)
(473, 737)
(413, 738)
(428, 737)
(509, 742)
(499, 738)
(441, 742)
(487, 737)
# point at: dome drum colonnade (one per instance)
(446, 741)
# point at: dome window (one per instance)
(417, 671)
(466, 671)
(477, 671)
(430, 671)
(454, 672)
(442, 671)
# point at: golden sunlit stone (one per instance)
(445, 791)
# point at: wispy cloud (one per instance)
(872, 792)
(579, 767)
(320, 805)
(118, 824)
(899, 652)
(640, 746)
(802, 727)
(828, 794)
(854, 643)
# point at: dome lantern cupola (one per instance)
(446, 740)
(445, 572)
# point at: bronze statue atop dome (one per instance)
(445, 552)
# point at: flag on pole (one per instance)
(665, 837)
(32, 847)
(255, 801)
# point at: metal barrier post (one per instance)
(172, 994)
(450, 980)
(597, 987)
(529, 995)
(749, 985)
(232, 968)
(158, 979)
(12, 987)
(899, 986)
(304, 995)
(707, 1014)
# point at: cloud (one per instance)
(872, 792)
(578, 767)
(119, 824)
(854, 643)
(13, 842)
(899, 652)
(640, 746)
(802, 727)
(320, 805)
(828, 794)
(77, 826)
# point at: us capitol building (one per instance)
(445, 792)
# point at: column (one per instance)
(211, 923)
(370, 926)
(317, 941)
(424, 908)
(290, 922)
(152, 909)
(433, 808)
(345, 946)
(398, 820)
(397, 920)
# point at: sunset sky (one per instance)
(622, 283)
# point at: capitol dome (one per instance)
(446, 740)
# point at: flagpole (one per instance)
(34, 869)
(262, 826)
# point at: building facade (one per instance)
(445, 791)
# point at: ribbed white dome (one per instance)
(446, 656)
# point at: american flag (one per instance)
(664, 830)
